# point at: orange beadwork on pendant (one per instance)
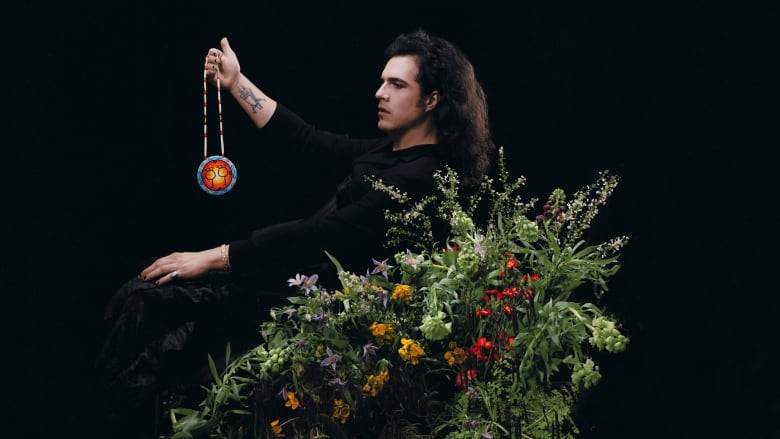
(217, 175)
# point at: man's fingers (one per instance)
(172, 276)
(158, 268)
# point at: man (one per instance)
(419, 105)
(433, 113)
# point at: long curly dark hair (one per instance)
(462, 112)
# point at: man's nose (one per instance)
(381, 94)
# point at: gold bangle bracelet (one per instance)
(225, 260)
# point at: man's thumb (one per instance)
(225, 45)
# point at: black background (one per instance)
(104, 113)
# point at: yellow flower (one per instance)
(410, 351)
(382, 331)
(292, 401)
(455, 354)
(376, 382)
(341, 411)
(402, 293)
(276, 428)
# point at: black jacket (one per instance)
(351, 225)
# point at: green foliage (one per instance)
(478, 336)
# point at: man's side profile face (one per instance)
(401, 105)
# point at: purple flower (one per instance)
(321, 316)
(369, 350)
(306, 283)
(337, 382)
(478, 249)
(297, 281)
(330, 359)
(411, 260)
(366, 280)
(310, 283)
(381, 267)
(382, 295)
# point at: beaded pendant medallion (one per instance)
(216, 174)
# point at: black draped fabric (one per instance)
(158, 337)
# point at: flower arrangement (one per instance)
(487, 335)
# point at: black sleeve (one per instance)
(353, 234)
(287, 129)
(270, 247)
(346, 233)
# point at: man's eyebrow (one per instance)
(395, 79)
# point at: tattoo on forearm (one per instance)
(245, 93)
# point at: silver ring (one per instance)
(174, 275)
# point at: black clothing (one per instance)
(158, 336)
(351, 226)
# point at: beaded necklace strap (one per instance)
(205, 115)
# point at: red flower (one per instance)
(491, 291)
(484, 312)
(511, 263)
(534, 277)
(511, 292)
(476, 351)
(462, 378)
(509, 342)
(507, 309)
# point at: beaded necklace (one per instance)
(216, 174)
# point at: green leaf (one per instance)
(335, 261)
(184, 411)
(213, 369)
